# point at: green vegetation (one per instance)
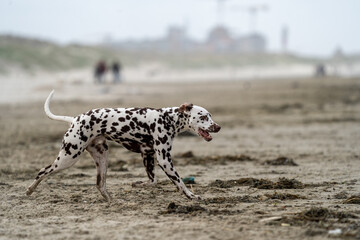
(32, 54)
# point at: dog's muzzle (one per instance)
(214, 128)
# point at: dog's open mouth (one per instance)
(205, 134)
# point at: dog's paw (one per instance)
(194, 197)
(29, 192)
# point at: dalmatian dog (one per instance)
(147, 131)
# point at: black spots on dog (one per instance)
(125, 129)
(121, 119)
(98, 179)
(143, 111)
(152, 127)
(128, 112)
(76, 155)
(173, 178)
(92, 121)
(78, 119)
(105, 146)
(145, 138)
(132, 125)
(160, 121)
(56, 165)
(47, 167)
(204, 118)
(163, 151)
(132, 145)
(83, 137)
(133, 109)
(41, 172)
(100, 148)
(115, 124)
(66, 147)
(135, 119)
(128, 117)
(89, 113)
(164, 139)
(159, 129)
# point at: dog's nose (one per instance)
(215, 128)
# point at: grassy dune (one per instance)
(32, 54)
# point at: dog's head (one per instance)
(199, 120)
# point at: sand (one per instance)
(313, 123)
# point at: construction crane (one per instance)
(253, 11)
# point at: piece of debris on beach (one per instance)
(281, 161)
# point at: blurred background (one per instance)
(281, 78)
(81, 43)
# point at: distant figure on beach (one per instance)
(116, 69)
(100, 70)
(320, 70)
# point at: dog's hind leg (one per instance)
(63, 161)
(99, 151)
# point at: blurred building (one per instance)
(219, 39)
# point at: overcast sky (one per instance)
(316, 27)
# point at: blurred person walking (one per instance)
(100, 70)
(116, 69)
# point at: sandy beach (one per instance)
(284, 166)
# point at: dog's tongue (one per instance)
(205, 135)
(208, 138)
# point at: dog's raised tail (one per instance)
(51, 115)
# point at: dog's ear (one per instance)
(186, 107)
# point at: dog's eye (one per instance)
(204, 118)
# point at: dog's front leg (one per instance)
(165, 163)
